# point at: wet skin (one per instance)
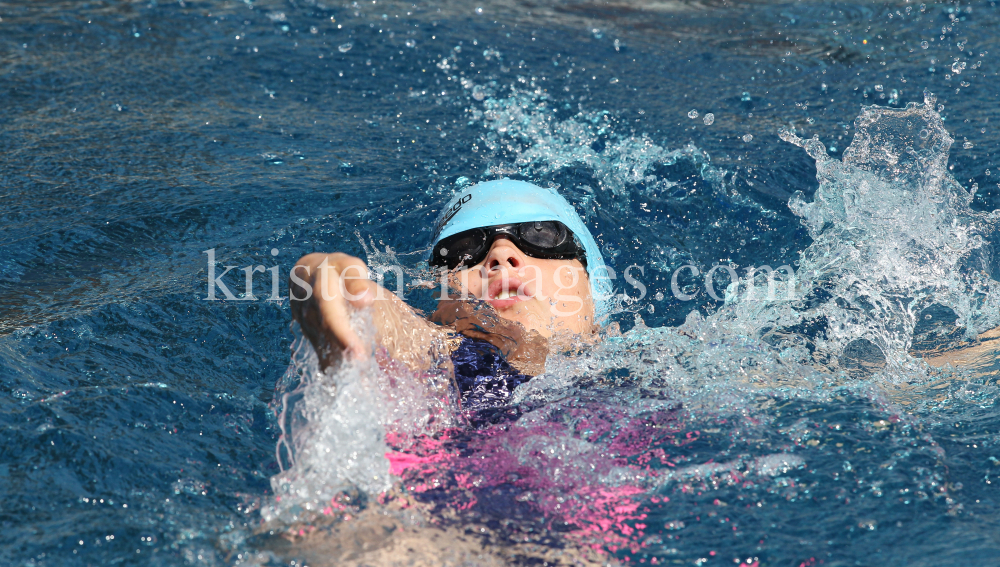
(516, 302)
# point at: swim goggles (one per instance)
(549, 240)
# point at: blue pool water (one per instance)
(141, 421)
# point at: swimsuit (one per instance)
(485, 381)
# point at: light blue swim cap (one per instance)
(506, 201)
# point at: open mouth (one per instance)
(503, 292)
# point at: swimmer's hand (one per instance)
(324, 288)
(525, 350)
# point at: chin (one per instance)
(530, 320)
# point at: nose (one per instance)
(503, 254)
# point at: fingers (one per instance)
(344, 281)
(336, 325)
(337, 282)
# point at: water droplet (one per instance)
(614, 80)
(811, 120)
(478, 92)
(693, 114)
(878, 88)
(410, 43)
(968, 145)
(745, 97)
(345, 47)
(709, 119)
(479, 10)
(924, 45)
(747, 137)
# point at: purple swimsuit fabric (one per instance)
(484, 378)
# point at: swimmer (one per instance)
(525, 273)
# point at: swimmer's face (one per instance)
(548, 296)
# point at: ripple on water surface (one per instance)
(143, 421)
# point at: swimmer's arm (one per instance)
(526, 350)
(334, 284)
(984, 351)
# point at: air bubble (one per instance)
(924, 45)
(345, 47)
(709, 119)
(747, 137)
(693, 114)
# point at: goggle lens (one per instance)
(538, 239)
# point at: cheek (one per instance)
(565, 282)
(469, 280)
(570, 282)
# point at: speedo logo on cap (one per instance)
(452, 212)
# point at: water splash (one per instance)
(335, 424)
(682, 208)
(615, 443)
(531, 132)
(893, 234)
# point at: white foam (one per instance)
(892, 234)
(335, 424)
